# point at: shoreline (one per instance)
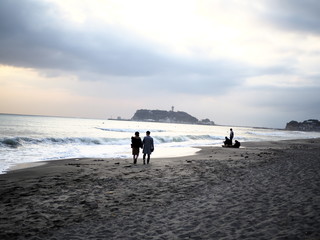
(197, 150)
(26, 165)
(264, 190)
(21, 166)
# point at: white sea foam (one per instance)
(129, 130)
(26, 139)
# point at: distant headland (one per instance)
(146, 115)
(307, 125)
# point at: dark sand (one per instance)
(266, 190)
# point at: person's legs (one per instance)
(135, 158)
(135, 154)
(148, 159)
(144, 158)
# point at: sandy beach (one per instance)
(264, 190)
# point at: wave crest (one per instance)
(16, 142)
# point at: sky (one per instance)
(236, 62)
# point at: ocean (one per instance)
(25, 139)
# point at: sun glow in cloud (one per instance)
(210, 29)
(119, 55)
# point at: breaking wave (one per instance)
(130, 130)
(16, 142)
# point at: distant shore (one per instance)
(264, 190)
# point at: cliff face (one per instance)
(164, 116)
(308, 125)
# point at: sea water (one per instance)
(25, 139)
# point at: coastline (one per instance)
(21, 166)
(263, 190)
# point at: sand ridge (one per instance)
(264, 190)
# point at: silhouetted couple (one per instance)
(146, 144)
(228, 141)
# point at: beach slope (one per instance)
(265, 190)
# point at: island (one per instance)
(168, 117)
(307, 125)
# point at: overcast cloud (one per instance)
(237, 63)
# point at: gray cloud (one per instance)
(293, 15)
(33, 35)
(290, 100)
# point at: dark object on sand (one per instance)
(235, 145)
(227, 142)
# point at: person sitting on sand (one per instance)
(236, 144)
(227, 142)
(136, 144)
(148, 147)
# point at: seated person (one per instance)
(227, 142)
(237, 144)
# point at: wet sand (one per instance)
(264, 190)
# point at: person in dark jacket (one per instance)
(227, 142)
(237, 144)
(136, 144)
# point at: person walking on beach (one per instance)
(148, 147)
(231, 135)
(136, 144)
